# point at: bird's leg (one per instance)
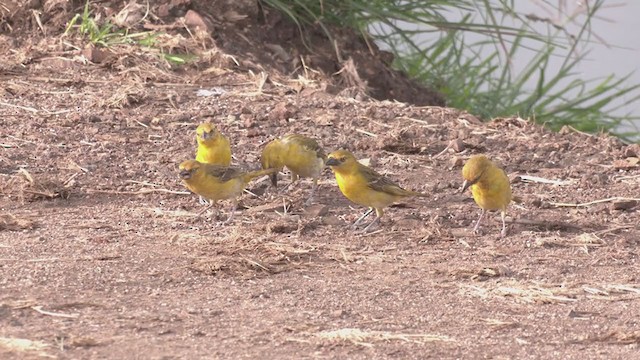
(234, 205)
(205, 209)
(274, 180)
(355, 224)
(232, 211)
(503, 233)
(294, 178)
(313, 191)
(475, 228)
(375, 221)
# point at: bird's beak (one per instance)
(465, 185)
(206, 135)
(185, 174)
(332, 162)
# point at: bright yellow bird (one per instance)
(489, 185)
(213, 147)
(215, 182)
(364, 186)
(300, 154)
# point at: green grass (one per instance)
(106, 34)
(468, 53)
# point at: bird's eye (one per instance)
(343, 159)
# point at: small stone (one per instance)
(281, 112)
(457, 145)
(95, 55)
(332, 220)
(316, 210)
(248, 120)
(195, 21)
(94, 118)
(632, 150)
(456, 161)
(624, 204)
(254, 132)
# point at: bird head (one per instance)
(473, 170)
(206, 131)
(341, 159)
(188, 169)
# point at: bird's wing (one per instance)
(308, 143)
(380, 183)
(223, 173)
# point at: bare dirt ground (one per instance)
(102, 255)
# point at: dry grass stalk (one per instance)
(529, 294)
(250, 256)
(12, 223)
(595, 202)
(483, 272)
(367, 338)
(27, 187)
(585, 241)
(21, 346)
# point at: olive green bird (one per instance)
(302, 155)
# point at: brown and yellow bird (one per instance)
(364, 186)
(489, 186)
(302, 155)
(215, 182)
(213, 147)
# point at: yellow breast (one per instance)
(492, 191)
(215, 151)
(354, 187)
(211, 188)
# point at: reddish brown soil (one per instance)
(102, 255)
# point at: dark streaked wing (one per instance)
(307, 143)
(224, 173)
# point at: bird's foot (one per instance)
(370, 228)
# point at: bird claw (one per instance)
(356, 229)
(364, 231)
(368, 229)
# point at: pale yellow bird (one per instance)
(214, 182)
(364, 186)
(213, 147)
(302, 155)
(489, 186)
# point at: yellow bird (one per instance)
(215, 182)
(213, 147)
(489, 185)
(364, 186)
(302, 155)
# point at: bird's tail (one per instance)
(398, 191)
(254, 174)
